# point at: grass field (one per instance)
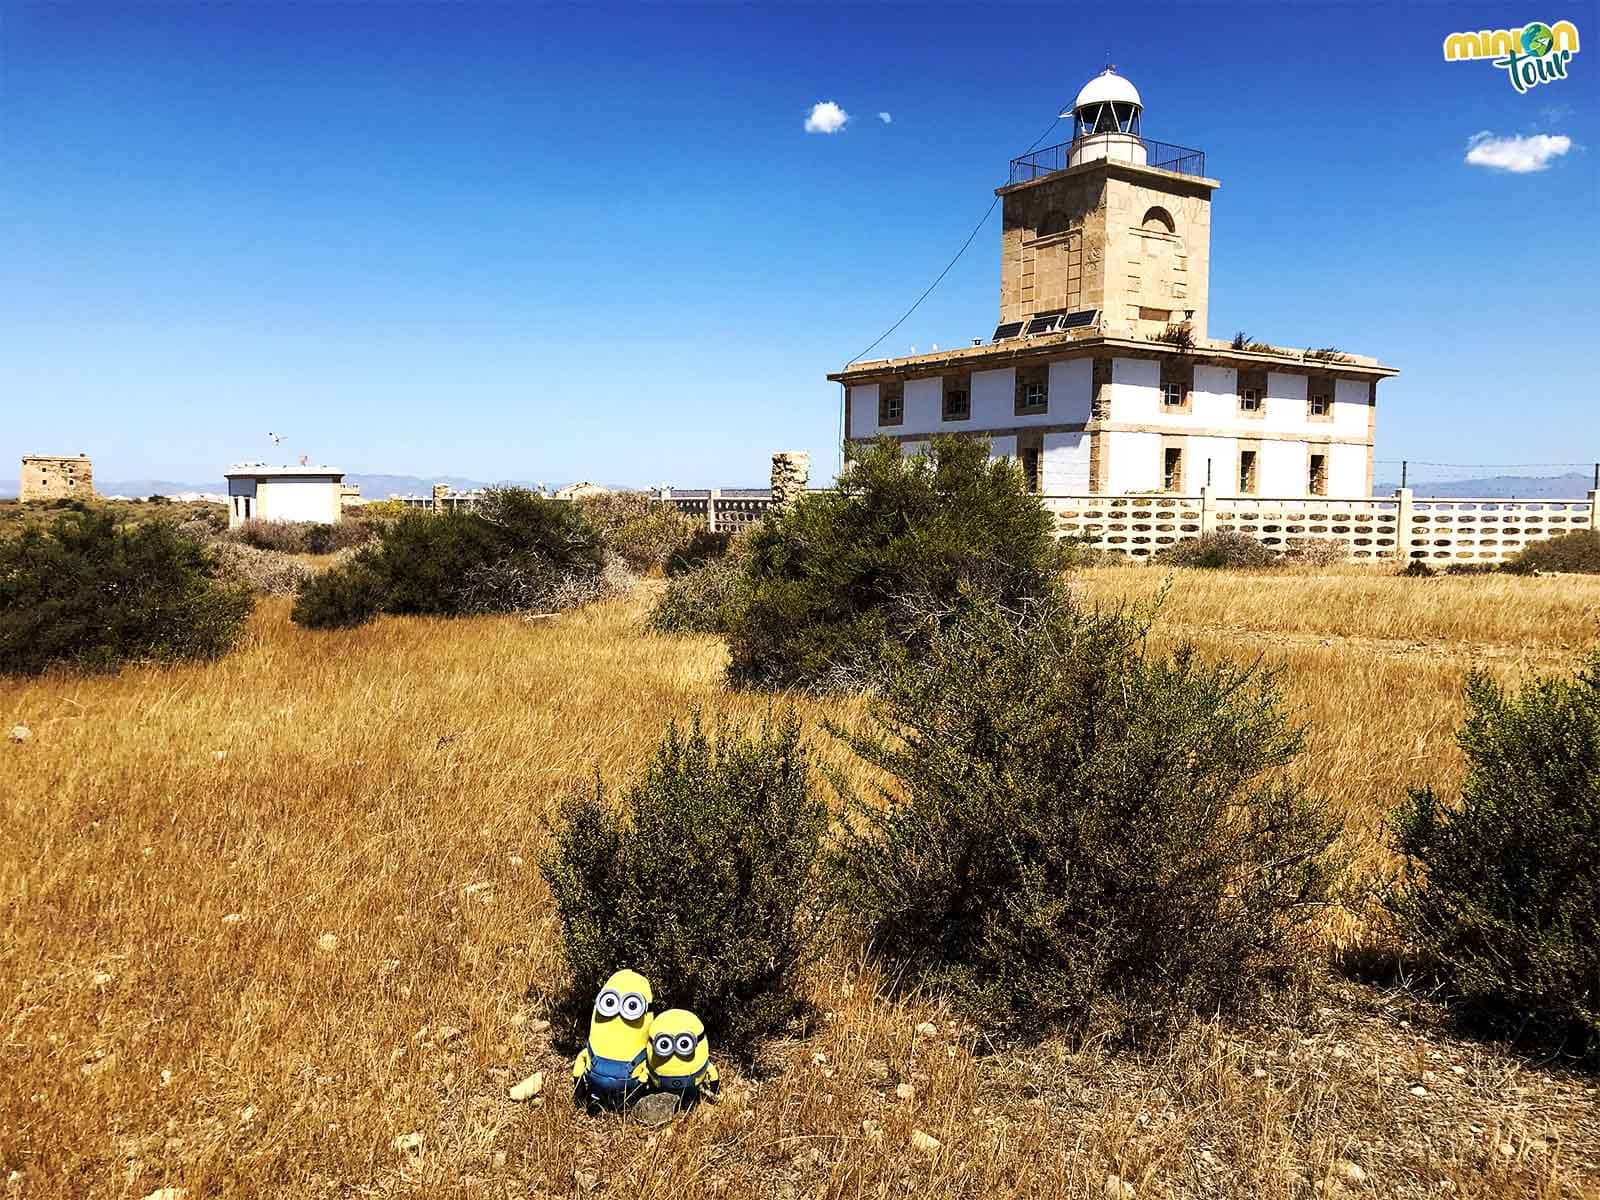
(263, 917)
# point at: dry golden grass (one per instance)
(389, 786)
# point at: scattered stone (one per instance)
(905, 1091)
(101, 978)
(872, 1131)
(1259, 1073)
(655, 1110)
(587, 1180)
(20, 733)
(878, 1069)
(233, 918)
(819, 1058)
(924, 1143)
(1419, 1091)
(1458, 1071)
(219, 755)
(168, 1193)
(1350, 1173)
(529, 1087)
(538, 1026)
(248, 1115)
(166, 1078)
(1118, 1188)
(409, 1143)
(927, 1029)
(1507, 1149)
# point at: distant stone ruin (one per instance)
(52, 477)
(791, 471)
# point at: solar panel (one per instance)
(1078, 320)
(1009, 330)
(1041, 325)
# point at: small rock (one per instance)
(233, 918)
(248, 1115)
(529, 1087)
(924, 1143)
(218, 755)
(1259, 1073)
(538, 1026)
(819, 1058)
(1419, 1091)
(20, 733)
(878, 1069)
(927, 1029)
(166, 1079)
(872, 1131)
(1350, 1173)
(327, 943)
(1507, 1149)
(1457, 1071)
(1117, 1188)
(101, 978)
(168, 1193)
(905, 1091)
(587, 1180)
(409, 1143)
(499, 1159)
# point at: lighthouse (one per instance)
(1105, 121)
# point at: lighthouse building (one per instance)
(1099, 376)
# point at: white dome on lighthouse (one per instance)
(1108, 85)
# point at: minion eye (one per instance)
(686, 1043)
(608, 1004)
(664, 1046)
(633, 1006)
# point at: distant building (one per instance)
(350, 495)
(52, 477)
(257, 492)
(442, 498)
(575, 491)
(1100, 377)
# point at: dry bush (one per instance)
(1217, 551)
(1575, 553)
(645, 531)
(1316, 552)
(266, 572)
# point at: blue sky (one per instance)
(509, 241)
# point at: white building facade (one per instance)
(1099, 378)
(258, 492)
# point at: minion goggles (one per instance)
(683, 1045)
(610, 1002)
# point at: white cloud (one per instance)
(826, 117)
(1515, 153)
(886, 118)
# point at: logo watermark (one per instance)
(1533, 54)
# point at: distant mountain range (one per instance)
(1572, 486)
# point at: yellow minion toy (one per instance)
(680, 1060)
(610, 1070)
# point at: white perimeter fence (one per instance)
(1398, 528)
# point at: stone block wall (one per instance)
(51, 477)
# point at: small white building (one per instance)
(1100, 377)
(258, 492)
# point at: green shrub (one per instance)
(1078, 826)
(840, 578)
(1417, 569)
(703, 600)
(92, 593)
(1575, 553)
(643, 531)
(1502, 891)
(514, 552)
(1217, 551)
(704, 545)
(341, 597)
(704, 879)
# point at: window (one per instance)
(1172, 469)
(1319, 399)
(1317, 482)
(957, 397)
(1249, 399)
(1033, 390)
(1171, 393)
(1177, 386)
(1029, 456)
(1247, 472)
(891, 403)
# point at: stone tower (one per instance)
(51, 477)
(1109, 221)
